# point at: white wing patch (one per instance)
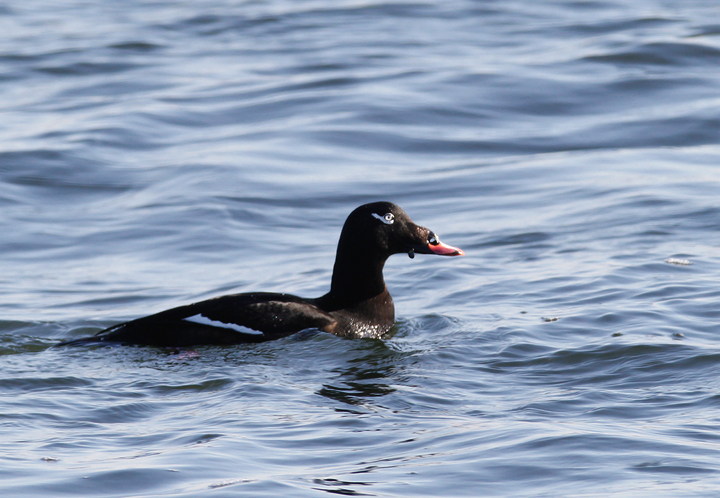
(215, 323)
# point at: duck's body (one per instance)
(358, 304)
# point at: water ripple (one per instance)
(156, 154)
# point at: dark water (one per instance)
(157, 153)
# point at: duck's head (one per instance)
(385, 229)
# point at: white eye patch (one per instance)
(388, 219)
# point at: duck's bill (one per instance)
(445, 250)
(435, 247)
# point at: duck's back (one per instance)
(232, 319)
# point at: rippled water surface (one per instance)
(156, 153)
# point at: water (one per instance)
(158, 153)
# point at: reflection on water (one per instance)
(365, 376)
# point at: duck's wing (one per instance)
(233, 319)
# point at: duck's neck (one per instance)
(357, 278)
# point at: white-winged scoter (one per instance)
(358, 304)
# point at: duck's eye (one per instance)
(388, 218)
(433, 239)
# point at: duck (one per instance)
(358, 304)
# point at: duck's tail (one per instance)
(83, 341)
(93, 339)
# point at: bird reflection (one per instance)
(367, 376)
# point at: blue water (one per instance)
(156, 153)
